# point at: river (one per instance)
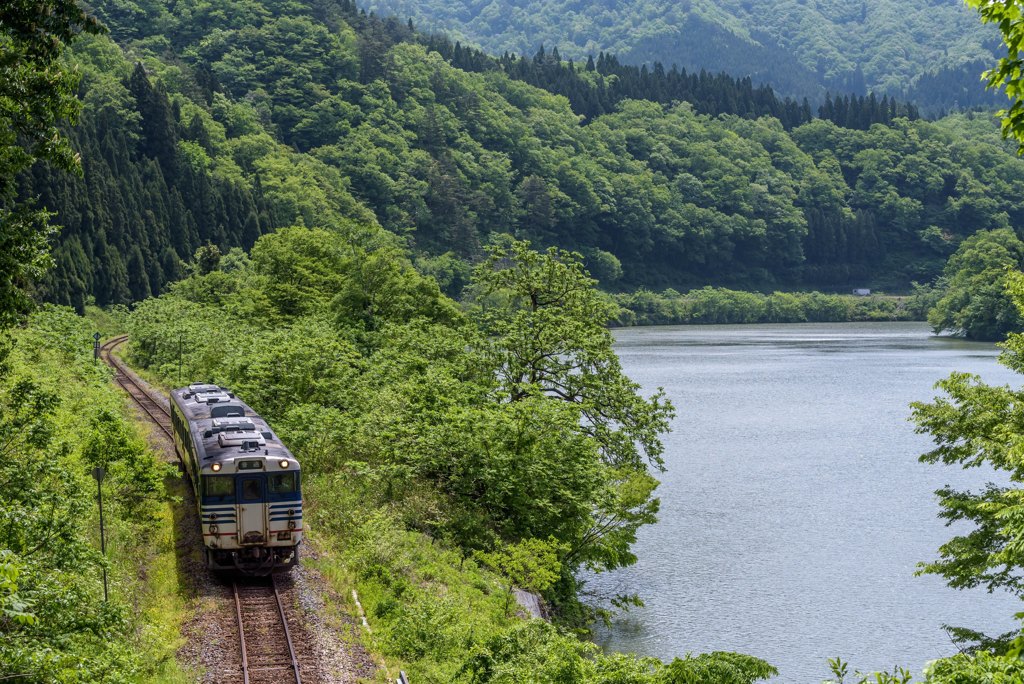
(794, 509)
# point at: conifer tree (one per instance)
(37, 95)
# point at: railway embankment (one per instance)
(103, 605)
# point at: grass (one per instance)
(107, 322)
(427, 606)
(144, 574)
(163, 606)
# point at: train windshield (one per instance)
(251, 489)
(219, 487)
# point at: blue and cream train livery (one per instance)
(246, 482)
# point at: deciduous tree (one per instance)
(545, 335)
(976, 303)
(974, 424)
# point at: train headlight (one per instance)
(283, 463)
(215, 467)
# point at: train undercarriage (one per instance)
(253, 560)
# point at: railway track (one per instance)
(126, 379)
(264, 639)
(266, 648)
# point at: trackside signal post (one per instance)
(95, 347)
(99, 474)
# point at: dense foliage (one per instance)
(1006, 75)
(800, 47)
(505, 432)
(59, 417)
(711, 305)
(598, 86)
(975, 302)
(978, 425)
(951, 88)
(975, 424)
(512, 423)
(349, 117)
(36, 96)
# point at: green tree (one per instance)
(54, 624)
(536, 651)
(545, 336)
(37, 94)
(976, 303)
(207, 259)
(974, 424)
(531, 565)
(546, 327)
(1009, 71)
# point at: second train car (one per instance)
(247, 484)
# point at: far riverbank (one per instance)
(715, 305)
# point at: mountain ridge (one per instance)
(801, 48)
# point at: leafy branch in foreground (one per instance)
(1008, 73)
(974, 424)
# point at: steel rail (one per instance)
(140, 396)
(126, 379)
(241, 631)
(287, 632)
(239, 616)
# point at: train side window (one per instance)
(281, 483)
(219, 486)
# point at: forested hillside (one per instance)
(803, 48)
(219, 123)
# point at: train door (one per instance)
(251, 495)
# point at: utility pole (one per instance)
(99, 474)
(181, 342)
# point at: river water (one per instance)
(794, 510)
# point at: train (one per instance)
(248, 486)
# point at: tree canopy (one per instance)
(801, 48)
(674, 179)
(975, 302)
(514, 420)
(37, 95)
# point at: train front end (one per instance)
(251, 512)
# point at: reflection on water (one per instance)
(794, 510)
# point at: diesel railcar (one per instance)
(247, 484)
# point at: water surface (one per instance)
(794, 510)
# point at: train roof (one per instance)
(225, 427)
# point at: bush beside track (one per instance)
(60, 416)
